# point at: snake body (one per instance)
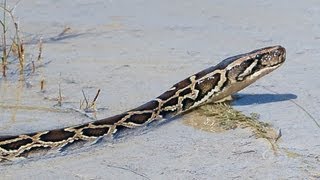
(212, 84)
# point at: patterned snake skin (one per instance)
(210, 85)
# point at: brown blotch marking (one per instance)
(31, 134)
(207, 85)
(120, 128)
(56, 135)
(180, 85)
(186, 103)
(16, 144)
(256, 68)
(167, 94)
(81, 126)
(171, 102)
(185, 92)
(168, 113)
(5, 138)
(139, 118)
(244, 65)
(221, 66)
(205, 72)
(151, 105)
(95, 132)
(110, 120)
(234, 72)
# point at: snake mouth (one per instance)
(277, 64)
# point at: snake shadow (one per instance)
(243, 99)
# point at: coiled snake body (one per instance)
(211, 84)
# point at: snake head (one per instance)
(253, 65)
(240, 71)
(264, 61)
(270, 56)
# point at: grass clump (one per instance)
(221, 117)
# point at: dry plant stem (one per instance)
(95, 98)
(20, 47)
(4, 66)
(42, 82)
(85, 98)
(33, 67)
(65, 30)
(42, 85)
(81, 104)
(298, 105)
(86, 101)
(4, 41)
(40, 49)
(93, 103)
(16, 40)
(60, 96)
(60, 93)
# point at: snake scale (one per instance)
(210, 85)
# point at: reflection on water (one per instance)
(14, 94)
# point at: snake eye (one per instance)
(258, 56)
(276, 53)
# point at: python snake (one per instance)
(210, 85)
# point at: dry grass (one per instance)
(12, 45)
(16, 46)
(87, 106)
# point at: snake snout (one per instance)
(280, 52)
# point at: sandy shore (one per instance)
(133, 51)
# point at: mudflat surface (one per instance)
(135, 50)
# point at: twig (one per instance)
(20, 45)
(33, 66)
(4, 66)
(95, 98)
(4, 41)
(244, 152)
(127, 169)
(302, 108)
(17, 40)
(40, 49)
(60, 93)
(85, 98)
(89, 107)
(65, 30)
(42, 85)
